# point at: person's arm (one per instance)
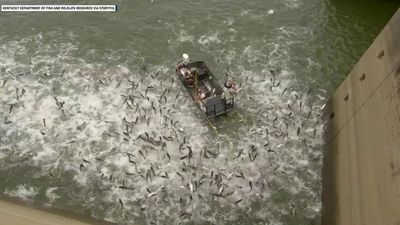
(234, 86)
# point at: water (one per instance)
(75, 157)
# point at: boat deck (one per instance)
(214, 103)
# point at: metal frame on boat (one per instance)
(214, 101)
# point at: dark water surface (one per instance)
(79, 158)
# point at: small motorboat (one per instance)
(204, 88)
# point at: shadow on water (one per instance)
(345, 31)
(365, 19)
(329, 199)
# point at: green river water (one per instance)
(287, 61)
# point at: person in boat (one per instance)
(189, 78)
(184, 69)
(230, 85)
(202, 94)
(183, 66)
(229, 89)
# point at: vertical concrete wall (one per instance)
(361, 172)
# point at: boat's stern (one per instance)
(216, 105)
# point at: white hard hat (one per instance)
(185, 58)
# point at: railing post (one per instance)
(225, 105)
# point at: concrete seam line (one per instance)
(362, 105)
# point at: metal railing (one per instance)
(212, 110)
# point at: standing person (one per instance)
(184, 63)
(189, 78)
(183, 69)
(229, 89)
(202, 93)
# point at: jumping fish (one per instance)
(4, 83)
(103, 82)
(165, 175)
(309, 91)
(251, 186)
(239, 154)
(238, 201)
(121, 203)
(180, 175)
(151, 194)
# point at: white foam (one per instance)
(185, 37)
(206, 40)
(102, 109)
(51, 195)
(292, 4)
(23, 191)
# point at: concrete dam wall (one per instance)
(361, 172)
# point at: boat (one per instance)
(204, 89)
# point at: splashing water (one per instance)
(111, 132)
(132, 141)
